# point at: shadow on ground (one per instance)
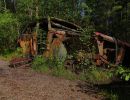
(90, 89)
(121, 89)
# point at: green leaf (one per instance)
(127, 77)
(115, 8)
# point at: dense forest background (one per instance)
(111, 17)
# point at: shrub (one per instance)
(8, 28)
(60, 71)
(54, 67)
(8, 55)
(40, 64)
(123, 72)
(97, 75)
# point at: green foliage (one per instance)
(84, 60)
(25, 8)
(109, 95)
(97, 76)
(113, 97)
(7, 18)
(8, 31)
(60, 71)
(40, 64)
(60, 8)
(54, 67)
(123, 72)
(87, 35)
(8, 55)
(116, 8)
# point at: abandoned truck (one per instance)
(112, 50)
(53, 37)
(50, 37)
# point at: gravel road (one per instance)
(25, 84)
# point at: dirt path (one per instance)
(25, 84)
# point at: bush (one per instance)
(40, 64)
(40, 61)
(97, 75)
(8, 55)
(123, 72)
(54, 67)
(62, 72)
(8, 28)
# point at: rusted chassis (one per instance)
(111, 51)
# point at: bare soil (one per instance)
(26, 84)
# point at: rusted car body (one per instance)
(57, 32)
(111, 50)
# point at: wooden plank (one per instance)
(63, 27)
(100, 47)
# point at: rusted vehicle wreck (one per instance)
(54, 33)
(111, 50)
(50, 37)
(53, 37)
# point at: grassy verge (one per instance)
(109, 95)
(98, 75)
(12, 54)
(92, 74)
(58, 72)
(56, 68)
(62, 72)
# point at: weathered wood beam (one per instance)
(53, 18)
(68, 32)
(63, 27)
(111, 39)
(100, 47)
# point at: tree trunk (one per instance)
(5, 4)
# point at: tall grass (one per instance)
(8, 55)
(52, 66)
